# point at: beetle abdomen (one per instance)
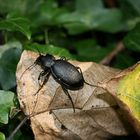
(67, 75)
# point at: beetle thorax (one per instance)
(47, 61)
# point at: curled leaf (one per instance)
(125, 87)
(129, 91)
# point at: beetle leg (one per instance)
(78, 68)
(43, 73)
(84, 79)
(67, 93)
(63, 58)
(44, 82)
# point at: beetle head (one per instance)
(45, 61)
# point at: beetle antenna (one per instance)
(30, 67)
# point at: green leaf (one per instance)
(9, 57)
(136, 5)
(40, 18)
(131, 8)
(6, 102)
(51, 49)
(83, 5)
(16, 24)
(8, 6)
(123, 60)
(93, 16)
(129, 91)
(2, 136)
(131, 12)
(89, 50)
(132, 40)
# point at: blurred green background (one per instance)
(85, 30)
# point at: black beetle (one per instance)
(66, 74)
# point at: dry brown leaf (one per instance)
(97, 115)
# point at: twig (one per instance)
(119, 47)
(17, 128)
